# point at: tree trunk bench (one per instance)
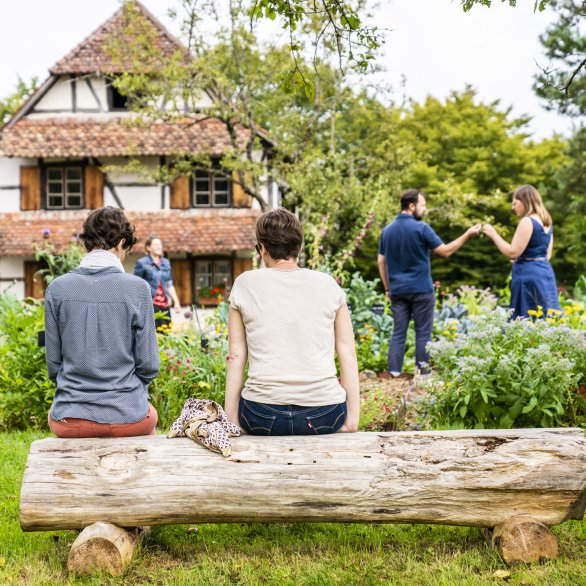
(516, 482)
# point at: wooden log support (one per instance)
(104, 547)
(522, 539)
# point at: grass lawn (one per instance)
(283, 554)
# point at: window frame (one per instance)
(211, 179)
(211, 259)
(64, 166)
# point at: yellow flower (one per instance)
(446, 333)
(532, 312)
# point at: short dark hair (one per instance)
(411, 196)
(105, 227)
(281, 233)
(149, 241)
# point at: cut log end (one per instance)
(522, 539)
(103, 547)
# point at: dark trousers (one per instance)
(263, 419)
(417, 306)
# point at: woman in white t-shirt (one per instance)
(287, 322)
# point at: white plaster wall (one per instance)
(116, 171)
(11, 270)
(15, 287)
(10, 177)
(57, 98)
(84, 96)
(141, 198)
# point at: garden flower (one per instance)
(46, 233)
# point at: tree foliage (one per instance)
(563, 83)
(11, 104)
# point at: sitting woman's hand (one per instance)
(350, 425)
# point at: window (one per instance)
(116, 101)
(212, 277)
(211, 190)
(64, 188)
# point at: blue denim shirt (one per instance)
(101, 345)
(146, 268)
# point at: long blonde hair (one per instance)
(532, 202)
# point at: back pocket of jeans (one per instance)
(254, 422)
(328, 422)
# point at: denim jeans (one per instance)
(420, 307)
(263, 419)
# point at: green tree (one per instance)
(563, 84)
(11, 104)
(467, 157)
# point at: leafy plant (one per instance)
(371, 321)
(25, 389)
(188, 370)
(503, 373)
(58, 263)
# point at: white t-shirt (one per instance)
(289, 321)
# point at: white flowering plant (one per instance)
(503, 374)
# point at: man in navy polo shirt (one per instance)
(405, 270)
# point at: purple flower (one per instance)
(46, 232)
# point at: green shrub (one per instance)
(25, 389)
(505, 374)
(371, 321)
(188, 370)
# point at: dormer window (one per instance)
(116, 101)
(64, 188)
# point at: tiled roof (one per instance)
(123, 136)
(132, 25)
(209, 231)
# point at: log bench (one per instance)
(514, 483)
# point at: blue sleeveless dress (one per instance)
(533, 281)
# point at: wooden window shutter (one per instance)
(241, 265)
(181, 270)
(239, 198)
(34, 283)
(180, 196)
(94, 187)
(30, 188)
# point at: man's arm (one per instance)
(446, 250)
(382, 271)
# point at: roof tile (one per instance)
(122, 136)
(201, 231)
(132, 25)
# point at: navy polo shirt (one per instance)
(405, 244)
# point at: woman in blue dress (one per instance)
(533, 284)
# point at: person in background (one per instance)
(101, 344)
(533, 283)
(405, 271)
(156, 270)
(288, 322)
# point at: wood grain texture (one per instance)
(523, 540)
(475, 478)
(104, 547)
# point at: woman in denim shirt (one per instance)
(155, 269)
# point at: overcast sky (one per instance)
(433, 44)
